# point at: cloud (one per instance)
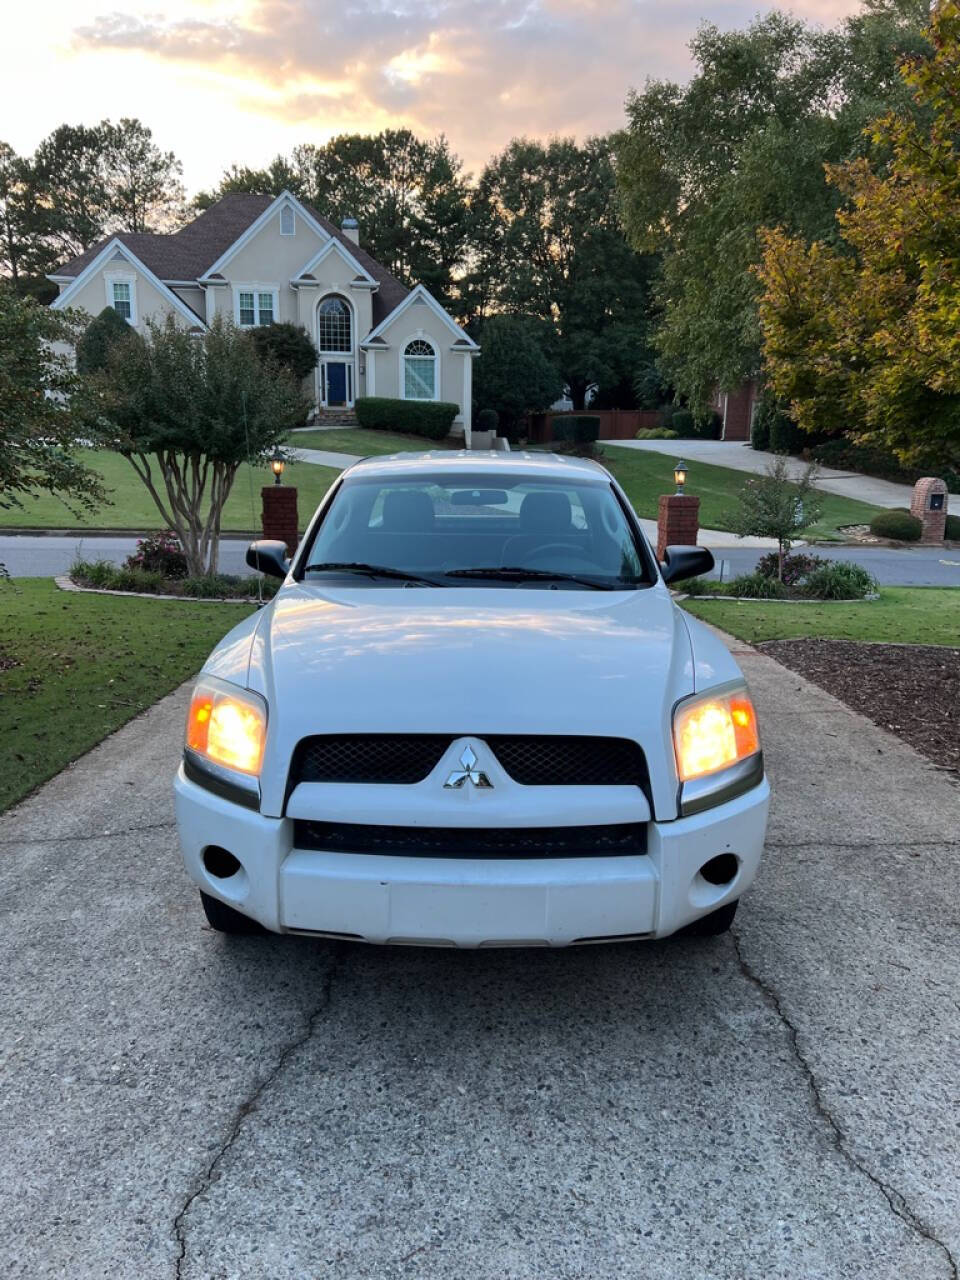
(479, 72)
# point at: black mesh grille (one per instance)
(360, 757)
(473, 842)
(558, 761)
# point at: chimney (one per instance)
(351, 229)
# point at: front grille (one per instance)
(542, 761)
(534, 760)
(473, 842)
(368, 757)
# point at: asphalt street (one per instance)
(46, 556)
(776, 1103)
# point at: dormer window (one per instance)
(288, 226)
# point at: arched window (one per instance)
(333, 325)
(419, 370)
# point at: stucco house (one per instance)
(258, 259)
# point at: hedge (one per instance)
(432, 419)
(897, 523)
(579, 430)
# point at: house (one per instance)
(258, 259)
(737, 408)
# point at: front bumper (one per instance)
(471, 902)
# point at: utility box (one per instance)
(929, 505)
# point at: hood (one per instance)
(470, 661)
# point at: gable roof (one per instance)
(421, 294)
(191, 252)
(110, 251)
(334, 245)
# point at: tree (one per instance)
(555, 248)
(37, 426)
(289, 345)
(863, 334)
(23, 257)
(516, 373)
(773, 505)
(94, 343)
(186, 410)
(145, 190)
(704, 167)
(280, 175)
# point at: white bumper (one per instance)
(472, 902)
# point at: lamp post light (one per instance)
(680, 475)
(277, 466)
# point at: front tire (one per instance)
(717, 922)
(224, 919)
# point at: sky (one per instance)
(223, 81)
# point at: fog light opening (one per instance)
(721, 870)
(220, 863)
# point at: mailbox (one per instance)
(929, 505)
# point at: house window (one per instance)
(255, 306)
(333, 325)
(419, 371)
(287, 225)
(122, 303)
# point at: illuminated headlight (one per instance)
(227, 727)
(717, 745)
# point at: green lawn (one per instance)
(85, 665)
(645, 475)
(902, 615)
(363, 443)
(132, 507)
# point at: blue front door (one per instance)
(336, 383)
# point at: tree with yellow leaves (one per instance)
(863, 336)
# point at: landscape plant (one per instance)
(186, 409)
(897, 523)
(432, 419)
(773, 505)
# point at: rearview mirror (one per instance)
(685, 562)
(269, 556)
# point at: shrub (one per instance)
(785, 435)
(487, 420)
(953, 528)
(92, 573)
(432, 419)
(577, 430)
(683, 424)
(840, 580)
(93, 346)
(656, 433)
(710, 427)
(897, 523)
(159, 553)
(289, 345)
(101, 573)
(795, 568)
(754, 586)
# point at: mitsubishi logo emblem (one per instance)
(468, 772)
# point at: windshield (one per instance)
(478, 530)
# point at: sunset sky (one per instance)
(239, 80)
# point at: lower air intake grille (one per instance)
(473, 842)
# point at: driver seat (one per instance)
(544, 518)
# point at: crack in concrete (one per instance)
(897, 1203)
(876, 843)
(96, 835)
(248, 1105)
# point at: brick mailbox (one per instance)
(678, 521)
(280, 515)
(929, 505)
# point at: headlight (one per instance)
(227, 726)
(717, 745)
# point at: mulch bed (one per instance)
(911, 690)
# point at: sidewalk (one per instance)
(740, 457)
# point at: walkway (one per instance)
(740, 457)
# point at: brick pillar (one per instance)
(280, 515)
(929, 505)
(678, 521)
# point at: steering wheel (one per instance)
(573, 557)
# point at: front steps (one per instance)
(333, 418)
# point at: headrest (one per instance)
(408, 511)
(546, 513)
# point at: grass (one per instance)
(362, 442)
(131, 506)
(645, 475)
(902, 615)
(87, 664)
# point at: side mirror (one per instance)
(270, 557)
(685, 562)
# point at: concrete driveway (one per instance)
(780, 1103)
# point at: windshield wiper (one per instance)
(372, 571)
(518, 574)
